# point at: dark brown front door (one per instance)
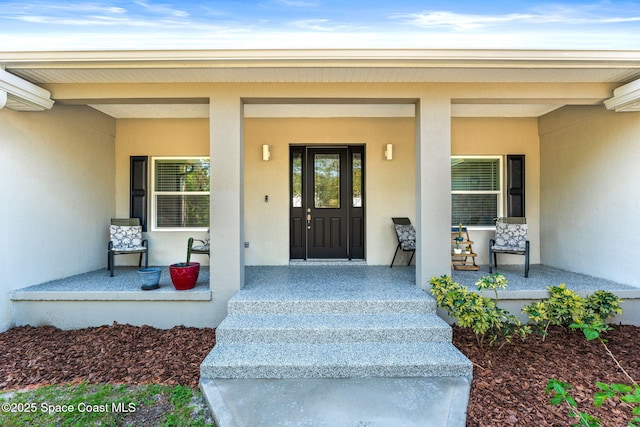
(327, 202)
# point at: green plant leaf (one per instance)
(621, 388)
(599, 398)
(556, 400)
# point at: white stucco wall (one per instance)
(57, 179)
(159, 138)
(390, 185)
(500, 137)
(589, 187)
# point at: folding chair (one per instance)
(406, 234)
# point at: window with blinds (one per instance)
(181, 192)
(476, 190)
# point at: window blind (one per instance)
(475, 174)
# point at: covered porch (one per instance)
(94, 298)
(429, 107)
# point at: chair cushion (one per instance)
(406, 236)
(126, 237)
(511, 237)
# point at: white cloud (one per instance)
(581, 15)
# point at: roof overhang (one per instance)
(412, 66)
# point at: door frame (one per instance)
(355, 225)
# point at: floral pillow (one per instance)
(126, 237)
(511, 236)
(406, 236)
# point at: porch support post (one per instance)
(227, 195)
(433, 188)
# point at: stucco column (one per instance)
(433, 188)
(227, 198)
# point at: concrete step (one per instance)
(331, 328)
(337, 360)
(289, 304)
(330, 402)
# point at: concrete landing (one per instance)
(355, 402)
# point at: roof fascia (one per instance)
(324, 57)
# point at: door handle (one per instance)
(309, 219)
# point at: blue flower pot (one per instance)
(150, 277)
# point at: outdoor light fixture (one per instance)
(266, 153)
(388, 152)
(21, 95)
(626, 98)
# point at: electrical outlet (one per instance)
(246, 244)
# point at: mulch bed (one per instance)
(107, 354)
(509, 384)
(507, 390)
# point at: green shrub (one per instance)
(600, 307)
(564, 307)
(479, 313)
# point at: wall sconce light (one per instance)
(388, 152)
(266, 153)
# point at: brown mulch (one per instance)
(507, 390)
(509, 384)
(107, 354)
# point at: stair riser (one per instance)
(268, 335)
(331, 307)
(335, 371)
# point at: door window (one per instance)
(326, 181)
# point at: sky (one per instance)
(318, 24)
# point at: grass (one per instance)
(105, 405)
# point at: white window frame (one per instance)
(154, 193)
(500, 193)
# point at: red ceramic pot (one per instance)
(184, 276)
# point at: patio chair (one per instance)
(406, 234)
(511, 238)
(125, 238)
(199, 249)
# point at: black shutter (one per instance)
(515, 185)
(138, 190)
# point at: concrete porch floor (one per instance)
(96, 286)
(377, 277)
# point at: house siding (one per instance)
(589, 204)
(58, 195)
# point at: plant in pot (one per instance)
(184, 275)
(457, 250)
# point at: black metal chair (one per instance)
(125, 238)
(511, 238)
(406, 234)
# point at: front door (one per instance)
(327, 202)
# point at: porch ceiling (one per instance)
(326, 66)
